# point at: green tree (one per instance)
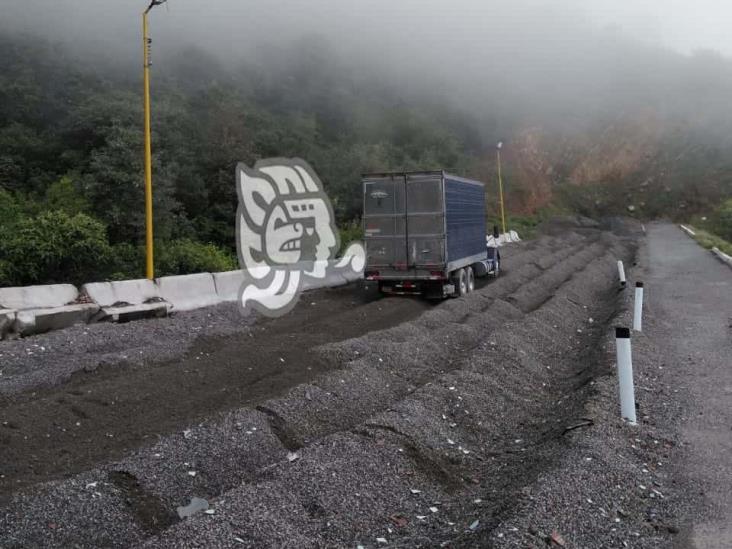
(56, 247)
(722, 220)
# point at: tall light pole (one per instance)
(149, 263)
(500, 185)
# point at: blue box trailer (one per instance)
(425, 233)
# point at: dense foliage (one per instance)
(71, 173)
(71, 162)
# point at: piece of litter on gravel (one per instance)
(292, 456)
(452, 388)
(282, 359)
(187, 433)
(474, 525)
(557, 539)
(239, 540)
(433, 509)
(414, 491)
(192, 473)
(450, 442)
(195, 506)
(399, 520)
(421, 517)
(381, 540)
(210, 511)
(91, 485)
(466, 452)
(477, 501)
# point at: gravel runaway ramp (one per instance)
(423, 433)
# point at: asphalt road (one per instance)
(692, 290)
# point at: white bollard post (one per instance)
(638, 308)
(621, 273)
(625, 375)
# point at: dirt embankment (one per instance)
(425, 433)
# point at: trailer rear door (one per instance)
(425, 221)
(385, 221)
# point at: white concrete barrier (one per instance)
(125, 300)
(722, 256)
(228, 285)
(505, 238)
(43, 308)
(687, 230)
(7, 319)
(38, 297)
(188, 292)
(36, 309)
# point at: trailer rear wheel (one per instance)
(460, 281)
(470, 279)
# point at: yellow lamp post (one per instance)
(500, 185)
(150, 267)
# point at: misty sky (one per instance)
(682, 25)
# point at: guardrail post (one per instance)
(621, 273)
(625, 374)
(638, 308)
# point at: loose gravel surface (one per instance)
(488, 420)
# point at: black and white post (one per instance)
(621, 273)
(638, 308)
(625, 375)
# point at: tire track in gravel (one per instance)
(97, 416)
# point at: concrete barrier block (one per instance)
(722, 256)
(38, 321)
(134, 312)
(188, 292)
(7, 319)
(38, 297)
(688, 230)
(228, 285)
(131, 292)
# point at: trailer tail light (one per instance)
(436, 275)
(371, 275)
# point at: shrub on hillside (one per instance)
(188, 256)
(722, 220)
(55, 247)
(351, 232)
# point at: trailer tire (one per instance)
(470, 276)
(459, 280)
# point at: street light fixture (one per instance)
(500, 185)
(146, 42)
